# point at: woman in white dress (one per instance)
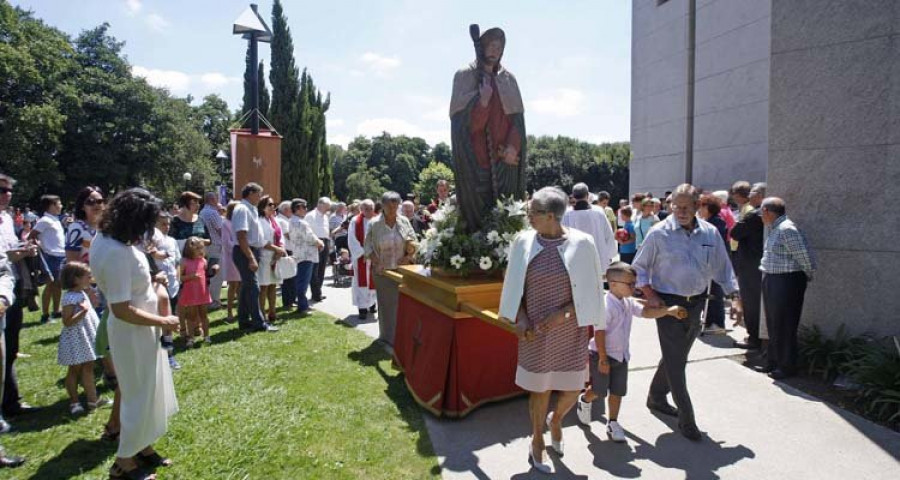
(134, 329)
(273, 249)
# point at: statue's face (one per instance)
(493, 51)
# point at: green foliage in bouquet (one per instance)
(446, 246)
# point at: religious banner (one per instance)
(256, 158)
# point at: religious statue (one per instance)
(488, 131)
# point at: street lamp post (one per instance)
(222, 157)
(187, 180)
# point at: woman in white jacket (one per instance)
(553, 291)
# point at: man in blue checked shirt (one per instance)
(787, 265)
(675, 264)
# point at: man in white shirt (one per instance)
(248, 243)
(318, 220)
(283, 218)
(593, 222)
(49, 233)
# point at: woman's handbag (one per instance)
(286, 267)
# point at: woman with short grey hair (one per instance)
(389, 244)
(553, 292)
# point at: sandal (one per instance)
(108, 435)
(152, 461)
(118, 473)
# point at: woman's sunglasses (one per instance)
(5, 190)
(95, 201)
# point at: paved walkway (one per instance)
(753, 427)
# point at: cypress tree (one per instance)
(283, 113)
(264, 99)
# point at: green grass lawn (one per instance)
(315, 400)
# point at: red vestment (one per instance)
(491, 131)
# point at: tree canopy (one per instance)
(408, 165)
(73, 114)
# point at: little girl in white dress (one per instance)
(76, 342)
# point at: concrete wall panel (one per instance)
(740, 86)
(836, 194)
(747, 44)
(741, 125)
(803, 24)
(832, 96)
(721, 16)
(855, 288)
(718, 169)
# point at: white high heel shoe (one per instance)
(559, 446)
(542, 467)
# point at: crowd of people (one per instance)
(680, 258)
(125, 274)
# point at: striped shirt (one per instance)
(787, 250)
(210, 217)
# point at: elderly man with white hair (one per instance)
(593, 222)
(318, 219)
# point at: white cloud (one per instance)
(380, 64)
(177, 82)
(437, 114)
(396, 126)
(157, 22)
(216, 79)
(133, 7)
(333, 122)
(340, 139)
(563, 102)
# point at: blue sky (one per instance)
(388, 64)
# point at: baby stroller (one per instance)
(343, 272)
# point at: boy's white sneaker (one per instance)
(583, 410)
(615, 431)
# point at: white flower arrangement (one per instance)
(447, 246)
(457, 261)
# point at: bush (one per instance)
(828, 356)
(877, 370)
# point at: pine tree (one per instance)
(283, 112)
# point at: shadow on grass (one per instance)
(49, 416)
(78, 457)
(353, 321)
(372, 356)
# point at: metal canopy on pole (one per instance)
(252, 27)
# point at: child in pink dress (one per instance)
(194, 295)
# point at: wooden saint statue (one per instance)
(488, 131)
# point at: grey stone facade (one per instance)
(834, 152)
(803, 94)
(731, 92)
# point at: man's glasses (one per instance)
(5, 190)
(95, 201)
